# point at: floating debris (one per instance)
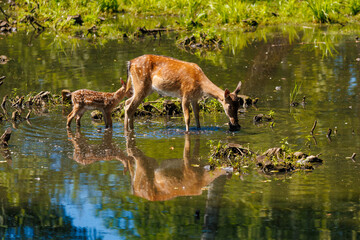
(262, 118)
(142, 31)
(77, 19)
(5, 27)
(4, 59)
(203, 41)
(274, 160)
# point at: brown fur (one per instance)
(105, 102)
(172, 77)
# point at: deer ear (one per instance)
(226, 93)
(237, 90)
(122, 82)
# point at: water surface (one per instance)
(97, 184)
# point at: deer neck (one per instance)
(119, 94)
(211, 90)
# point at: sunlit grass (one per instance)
(325, 10)
(118, 18)
(354, 6)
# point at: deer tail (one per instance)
(129, 78)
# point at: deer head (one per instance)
(231, 106)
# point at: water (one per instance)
(98, 184)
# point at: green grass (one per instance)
(295, 92)
(324, 10)
(354, 6)
(125, 16)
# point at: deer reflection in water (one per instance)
(149, 179)
(85, 153)
(170, 179)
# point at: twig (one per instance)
(15, 116)
(4, 101)
(313, 128)
(352, 157)
(328, 135)
(28, 115)
(6, 16)
(4, 139)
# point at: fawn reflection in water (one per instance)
(149, 179)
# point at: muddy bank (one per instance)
(16, 109)
(236, 158)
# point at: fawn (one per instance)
(85, 99)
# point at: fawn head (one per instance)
(124, 88)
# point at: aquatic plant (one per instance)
(322, 10)
(295, 92)
(230, 11)
(354, 6)
(235, 158)
(109, 5)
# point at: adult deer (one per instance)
(85, 99)
(175, 78)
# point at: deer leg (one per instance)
(195, 107)
(79, 114)
(126, 120)
(70, 118)
(72, 115)
(130, 109)
(185, 106)
(108, 119)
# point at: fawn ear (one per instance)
(122, 82)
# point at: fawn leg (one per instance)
(79, 114)
(107, 119)
(71, 115)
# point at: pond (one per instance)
(99, 184)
